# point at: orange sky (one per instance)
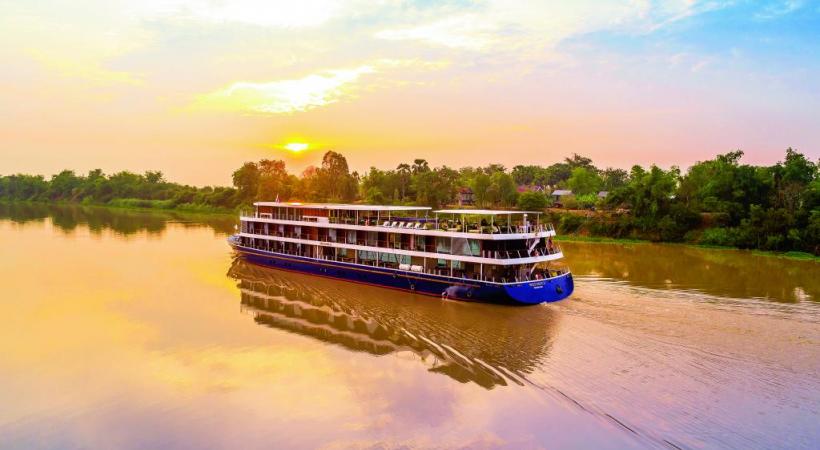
(194, 87)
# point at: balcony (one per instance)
(412, 224)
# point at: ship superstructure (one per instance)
(464, 254)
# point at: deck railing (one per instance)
(410, 223)
(457, 274)
(552, 248)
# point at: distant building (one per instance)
(464, 196)
(530, 188)
(603, 194)
(558, 195)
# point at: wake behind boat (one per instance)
(462, 254)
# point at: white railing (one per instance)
(416, 224)
(537, 275)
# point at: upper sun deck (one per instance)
(484, 212)
(475, 223)
(340, 206)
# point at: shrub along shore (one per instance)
(718, 202)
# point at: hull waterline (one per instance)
(524, 293)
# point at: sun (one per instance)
(296, 147)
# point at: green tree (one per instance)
(274, 180)
(404, 172)
(480, 184)
(334, 181)
(504, 186)
(420, 166)
(584, 181)
(246, 181)
(613, 178)
(532, 201)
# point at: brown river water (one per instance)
(137, 330)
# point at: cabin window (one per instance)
(351, 236)
(331, 235)
(466, 247)
(373, 238)
(443, 245)
(393, 258)
(364, 255)
(419, 243)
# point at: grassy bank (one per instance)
(137, 205)
(165, 205)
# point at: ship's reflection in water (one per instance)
(489, 348)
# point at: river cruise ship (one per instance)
(463, 254)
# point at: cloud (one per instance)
(510, 25)
(464, 32)
(303, 94)
(89, 70)
(777, 9)
(285, 96)
(270, 13)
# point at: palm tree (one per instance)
(404, 178)
(420, 165)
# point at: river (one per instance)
(135, 330)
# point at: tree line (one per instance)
(720, 201)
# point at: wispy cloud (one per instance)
(510, 25)
(775, 9)
(284, 96)
(462, 32)
(89, 70)
(269, 13)
(312, 91)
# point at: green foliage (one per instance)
(570, 202)
(480, 184)
(570, 223)
(532, 201)
(586, 201)
(613, 178)
(123, 189)
(767, 208)
(584, 181)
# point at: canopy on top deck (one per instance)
(483, 212)
(342, 206)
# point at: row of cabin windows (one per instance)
(448, 245)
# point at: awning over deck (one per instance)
(483, 212)
(341, 206)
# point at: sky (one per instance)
(194, 88)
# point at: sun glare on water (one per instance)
(296, 147)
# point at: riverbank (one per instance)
(138, 205)
(607, 240)
(194, 211)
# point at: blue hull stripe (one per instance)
(530, 293)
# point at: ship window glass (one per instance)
(394, 258)
(373, 238)
(331, 235)
(419, 242)
(458, 264)
(443, 245)
(466, 247)
(351, 236)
